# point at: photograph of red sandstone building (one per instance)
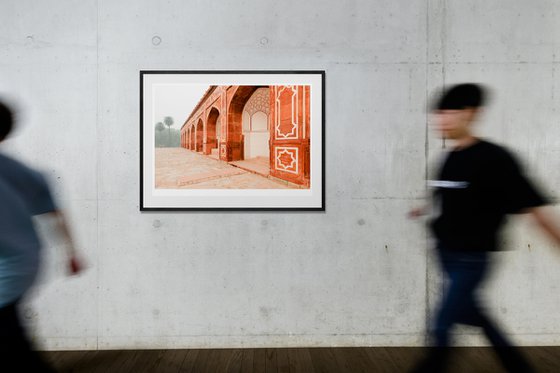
(242, 137)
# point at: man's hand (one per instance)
(415, 213)
(75, 265)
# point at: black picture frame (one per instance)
(221, 162)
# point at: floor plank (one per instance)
(259, 360)
(234, 362)
(380, 360)
(64, 360)
(300, 361)
(464, 360)
(172, 360)
(546, 359)
(283, 360)
(147, 361)
(271, 360)
(201, 362)
(405, 358)
(247, 362)
(189, 362)
(324, 361)
(352, 360)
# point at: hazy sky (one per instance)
(176, 100)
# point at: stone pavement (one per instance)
(179, 168)
(259, 165)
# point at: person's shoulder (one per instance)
(9, 163)
(490, 145)
(14, 168)
(495, 149)
(12, 164)
(500, 156)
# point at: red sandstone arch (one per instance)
(193, 138)
(235, 121)
(199, 135)
(211, 131)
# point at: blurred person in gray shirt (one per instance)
(24, 193)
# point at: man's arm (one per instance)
(547, 220)
(74, 263)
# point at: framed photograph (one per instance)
(232, 140)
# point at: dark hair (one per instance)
(461, 96)
(6, 120)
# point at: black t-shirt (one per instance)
(476, 187)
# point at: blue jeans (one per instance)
(466, 271)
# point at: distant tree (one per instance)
(173, 137)
(159, 126)
(168, 121)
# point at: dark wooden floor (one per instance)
(288, 360)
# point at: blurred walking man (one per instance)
(478, 184)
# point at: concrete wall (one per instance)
(359, 274)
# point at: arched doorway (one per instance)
(235, 122)
(256, 127)
(211, 144)
(219, 133)
(199, 135)
(192, 144)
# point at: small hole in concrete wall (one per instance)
(156, 40)
(156, 223)
(264, 41)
